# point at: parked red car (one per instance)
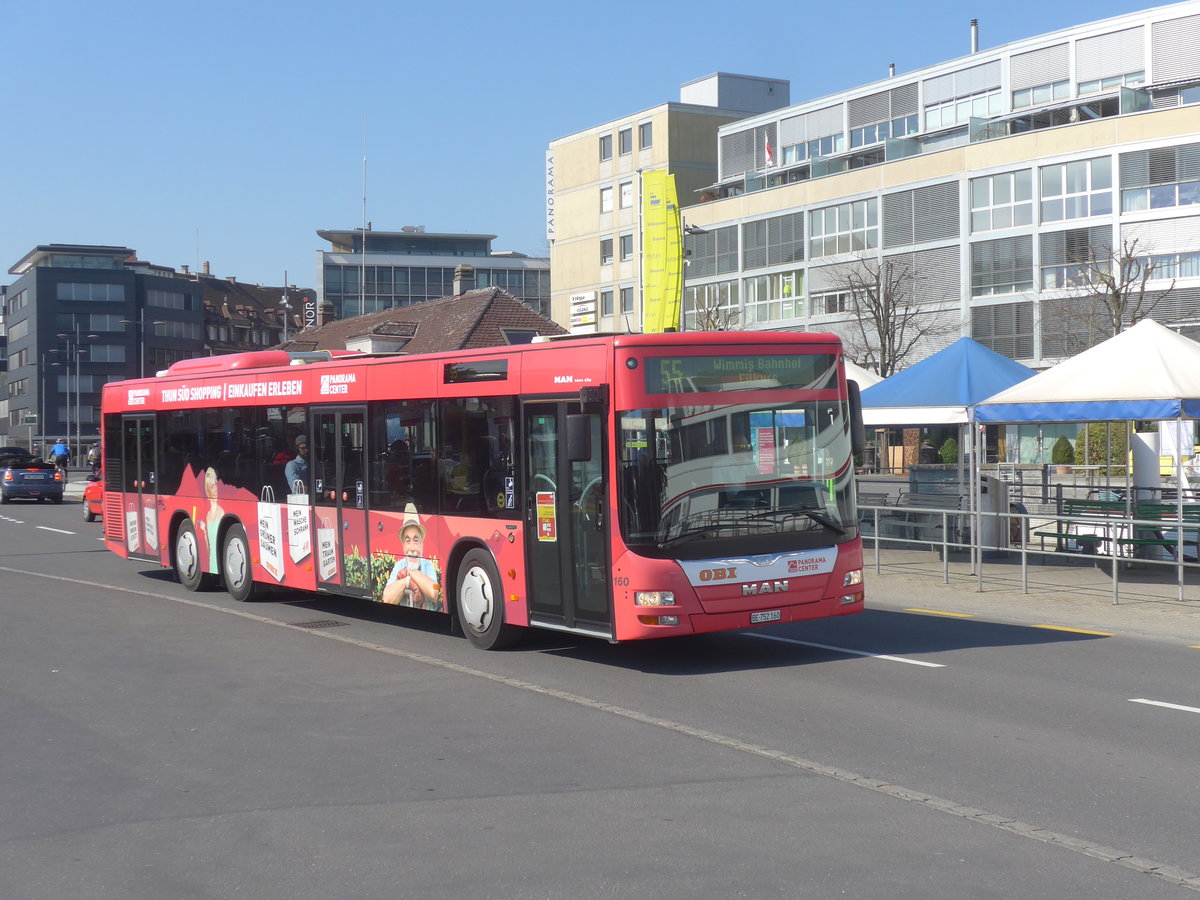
(93, 498)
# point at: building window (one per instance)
(17, 359)
(625, 141)
(1160, 179)
(626, 300)
(626, 198)
(18, 301)
(110, 353)
(712, 253)
(1003, 266)
(626, 247)
(606, 303)
(18, 387)
(1043, 93)
(962, 109)
(845, 228)
(606, 251)
(881, 131)
(167, 299)
(1076, 190)
(606, 199)
(1002, 201)
(605, 147)
(18, 330)
(1173, 265)
(831, 302)
(646, 135)
(1095, 86)
(774, 241)
(1073, 258)
(709, 305)
(109, 293)
(773, 298)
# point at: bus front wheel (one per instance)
(188, 568)
(236, 568)
(480, 602)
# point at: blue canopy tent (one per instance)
(940, 389)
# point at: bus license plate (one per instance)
(771, 615)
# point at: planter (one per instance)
(1062, 470)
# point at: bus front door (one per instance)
(340, 500)
(139, 484)
(566, 514)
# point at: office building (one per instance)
(409, 266)
(992, 182)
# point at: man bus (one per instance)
(623, 487)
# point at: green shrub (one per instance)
(1062, 453)
(948, 452)
(1102, 444)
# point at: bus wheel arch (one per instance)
(479, 600)
(237, 565)
(186, 557)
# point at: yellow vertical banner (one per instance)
(662, 253)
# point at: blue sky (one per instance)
(232, 131)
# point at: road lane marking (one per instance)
(1074, 630)
(55, 530)
(899, 659)
(1164, 705)
(1123, 858)
(938, 612)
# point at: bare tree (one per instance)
(708, 313)
(890, 324)
(1105, 291)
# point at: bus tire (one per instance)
(185, 559)
(480, 603)
(237, 570)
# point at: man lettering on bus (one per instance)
(297, 467)
(414, 579)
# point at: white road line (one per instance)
(55, 530)
(899, 659)
(1190, 709)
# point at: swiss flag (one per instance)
(767, 147)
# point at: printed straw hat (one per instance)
(412, 520)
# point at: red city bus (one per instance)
(623, 487)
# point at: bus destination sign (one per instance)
(703, 374)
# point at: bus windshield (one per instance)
(697, 481)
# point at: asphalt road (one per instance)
(161, 744)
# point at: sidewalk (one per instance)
(1061, 593)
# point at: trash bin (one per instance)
(870, 463)
(927, 454)
(993, 503)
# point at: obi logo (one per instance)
(718, 574)
(137, 396)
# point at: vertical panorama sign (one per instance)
(549, 195)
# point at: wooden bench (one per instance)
(1083, 522)
(919, 516)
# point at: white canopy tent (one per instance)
(1147, 372)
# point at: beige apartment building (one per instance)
(594, 192)
(994, 179)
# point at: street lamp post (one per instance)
(140, 337)
(687, 230)
(75, 349)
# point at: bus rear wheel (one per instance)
(236, 568)
(187, 559)
(480, 603)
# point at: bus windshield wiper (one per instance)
(813, 512)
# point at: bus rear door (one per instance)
(340, 500)
(139, 484)
(566, 512)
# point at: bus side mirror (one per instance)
(579, 438)
(858, 433)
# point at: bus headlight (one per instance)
(854, 576)
(653, 598)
